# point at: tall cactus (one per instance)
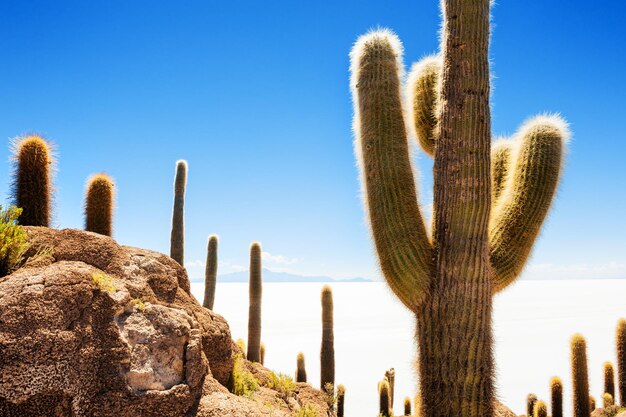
(177, 238)
(541, 410)
(609, 379)
(210, 272)
(448, 281)
(383, 399)
(341, 399)
(556, 397)
(407, 406)
(580, 380)
(531, 400)
(327, 352)
(32, 180)
(99, 202)
(300, 368)
(621, 360)
(391, 377)
(254, 312)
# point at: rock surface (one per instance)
(91, 328)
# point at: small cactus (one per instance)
(32, 180)
(607, 400)
(327, 352)
(300, 368)
(99, 202)
(341, 398)
(541, 410)
(580, 378)
(210, 273)
(407, 406)
(391, 377)
(621, 360)
(592, 404)
(254, 312)
(383, 398)
(262, 353)
(177, 238)
(609, 379)
(556, 394)
(242, 345)
(531, 399)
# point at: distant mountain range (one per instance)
(271, 276)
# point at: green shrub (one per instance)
(244, 383)
(308, 411)
(13, 240)
(104, 282)
(282, 383)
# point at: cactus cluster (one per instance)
(177, 238)
(488, 208)
(99, 203)
(32, 179)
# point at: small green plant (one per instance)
(283, 384)
(104, 282)
(138, 303)
(13, 240)
(244, 383)
(308, 411)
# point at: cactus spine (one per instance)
(407, 406)
(448, 281)
(177, 238)
(300, 368)
(391, 377)
(327, 352)
(32, 180)
(341, 398)
(99, 202)
(210, 272)
(531, 399)
(383, 398)
(621, 360)
(580, 379)
(254, 312)
(607, 400)
(556, 394)
(609, 379)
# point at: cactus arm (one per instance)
(527, 195)
(423, 85)
(500, 167)
(381, 145)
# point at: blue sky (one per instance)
(255, 96)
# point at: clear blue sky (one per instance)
(255, 96)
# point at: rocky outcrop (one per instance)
(91, 328)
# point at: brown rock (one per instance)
(501, 410)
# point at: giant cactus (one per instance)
(254, 312)
(479, 243)
(99, 202)
(621, 361)
(177, 237)
(327, 352)
(210, 273)
(32, 180)
(580, 379)
(556, 397)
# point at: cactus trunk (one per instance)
(580, 380)
(383, 399)
(254, 312)
(391, 377)
(341, 399)
(556, 394)
(210, 273)
(300, 368)
(621, 361)
(327, 352)
(177, 238)
(531, 400)
(32, 180)
(99, 205)
(609, 379)
(407, 406)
